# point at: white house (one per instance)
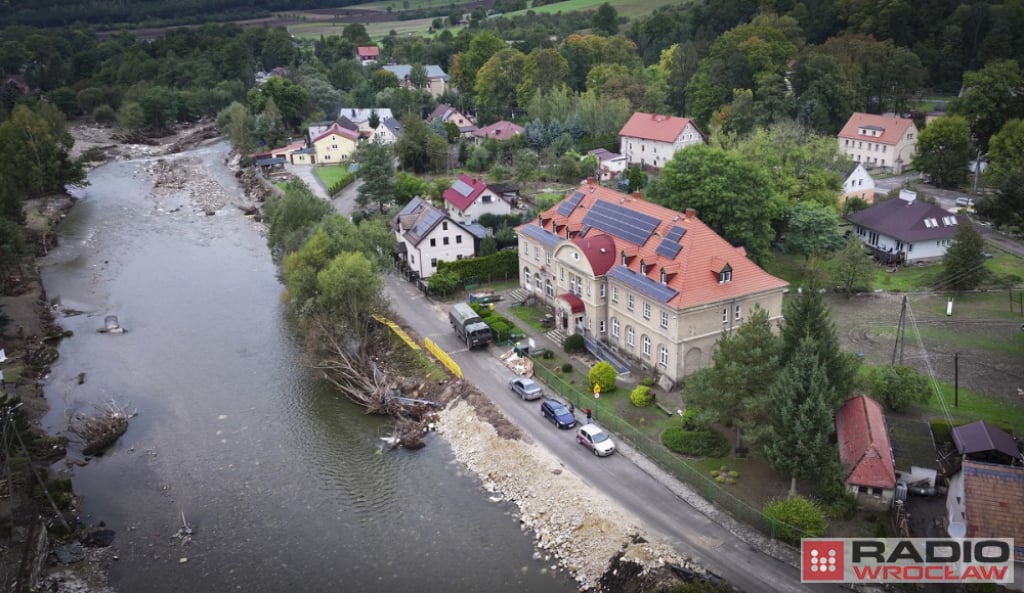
(470, 197)
(609, 164)
(650, 140)
(437, 79)
(427, 236)
(388, 132)
(361, 117)
(905, 230)
(858, 184)
(884, 141)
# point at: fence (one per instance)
(443, 356)
(601, 411)
(398, 331)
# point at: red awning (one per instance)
(575, 304)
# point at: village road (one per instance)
(660, 509)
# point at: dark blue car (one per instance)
(556, 412)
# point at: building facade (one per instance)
(881, 141)
(427, 236)
(858, 184)
(335, 145)
(905, 230)
(653, 285)
(437, 79)
(470, 197)
(651, 140)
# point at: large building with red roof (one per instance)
(879, 141)
(865, 451)
(653, 285)
(651, 140)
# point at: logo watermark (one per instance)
(906, 560)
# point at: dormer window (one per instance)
(664, 276)
(725, 275)
(624, 258)
(643, 267)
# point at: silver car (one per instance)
(526, 388)
(595, 439)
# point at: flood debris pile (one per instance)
(186, 178)
(101, 428)
(576, 528)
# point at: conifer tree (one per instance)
(964, 263)
(807, 317)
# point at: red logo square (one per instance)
(821, 560)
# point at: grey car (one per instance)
(526, 388)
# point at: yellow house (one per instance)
(335, 145)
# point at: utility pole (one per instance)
(900, 330)
(956, 380)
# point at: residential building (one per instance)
(858, 184)
(984, 500)
(334, 145)
(426, 236)
(437, 80)
(884, 141)
(651, 140)
(905, 230)
(368, 54)
(641, 281)
(470, 197)
(449, 114)
(388, 132)
(865, 451)
(609, 164)
(499, 130)
(363, 117)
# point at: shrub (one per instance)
(691, 420)
(104, 114)
(444, 283)
(641, 396)
(573, 343)
(567, 367)
(603, 374)
(548, 355)
(500, 329)
(697, 443)
(647, 381)
(942, 432)
(795, 517)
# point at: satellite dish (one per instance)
(957, 530)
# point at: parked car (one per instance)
(592, 437)
(556, 412)
(526, 388)
(964, 202)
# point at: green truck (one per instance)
(468, 325)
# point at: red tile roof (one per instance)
(864, 447)
(993, 498)
(651, 126)
(461, 195)
(691, 271)
(336, 128)
(368, 51)
(892, 128)
(499, 130)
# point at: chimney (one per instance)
(691, 213)
(637, 196)
(590, 181)
(908, 196)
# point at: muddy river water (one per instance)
(283, 482)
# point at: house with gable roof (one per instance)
(641, 281)
(858, 183)
(334, 145)
(388, 132)
(982, 441)
(448, 114)
(609, 164)
(499, 130)
(427, 235)
(883, 141)
(866, 452)
(984, 500)
(905, 230)
(361, 117)
(651, 140)
(437, 79)
(470, 197)
(368, 54)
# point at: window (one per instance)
(444, 226)
(643, 267)
(526, 278)
(561, 273)
(615, 327)
(615, 294)
(433, 242)
(458, 239)
(725, 314)
(458, 256)
(629, 301)
(526, 249)
(486, 198)
(433, 262)
(547, 258)
(445, 240)
(725, 276)
(663, 356)
(624, 258)
(604, 290)
(647, 310)
(601, 327)
(664, 319)
(664, 276)
(629, 335)
(646, 346)
(739, 312)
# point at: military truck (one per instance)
(468, 325)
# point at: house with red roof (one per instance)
(470, 197)
(499, 130)
(879, 141)
(648, 284)
(368, 54)
(334, 145)
(650, 139)
(865, 451)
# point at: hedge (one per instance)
(504, 264)
(697, 443)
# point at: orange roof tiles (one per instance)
(993, 498)
(892, 128)
(864, 447)
(651, 126)
(691, 272)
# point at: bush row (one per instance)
(504, 264)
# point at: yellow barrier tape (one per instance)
(398, 331)
(443, 356)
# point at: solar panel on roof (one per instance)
(676, 233)
(426, 221)
(546, 238)
(583, 231)
(462, 187)
(566, 207)
(622, 222)
(643, 284)
(668, 248)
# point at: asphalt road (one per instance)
(657, 507)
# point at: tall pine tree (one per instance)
(807, 317)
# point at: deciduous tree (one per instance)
(851, 268)
(943, 151)
(377, 170)
(963, 267)
(898, 386)
(420, 149)
(812, 229)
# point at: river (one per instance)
(283, 481)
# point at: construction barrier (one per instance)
(443, 356)
(398, 331)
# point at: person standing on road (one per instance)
(588, 415)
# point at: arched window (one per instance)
(663, 356)
(646, 343)
(615, 327)
(527, 278)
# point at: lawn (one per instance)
(529, 315)
(332, 174)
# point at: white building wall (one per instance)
(422, 256)
(479, 207)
